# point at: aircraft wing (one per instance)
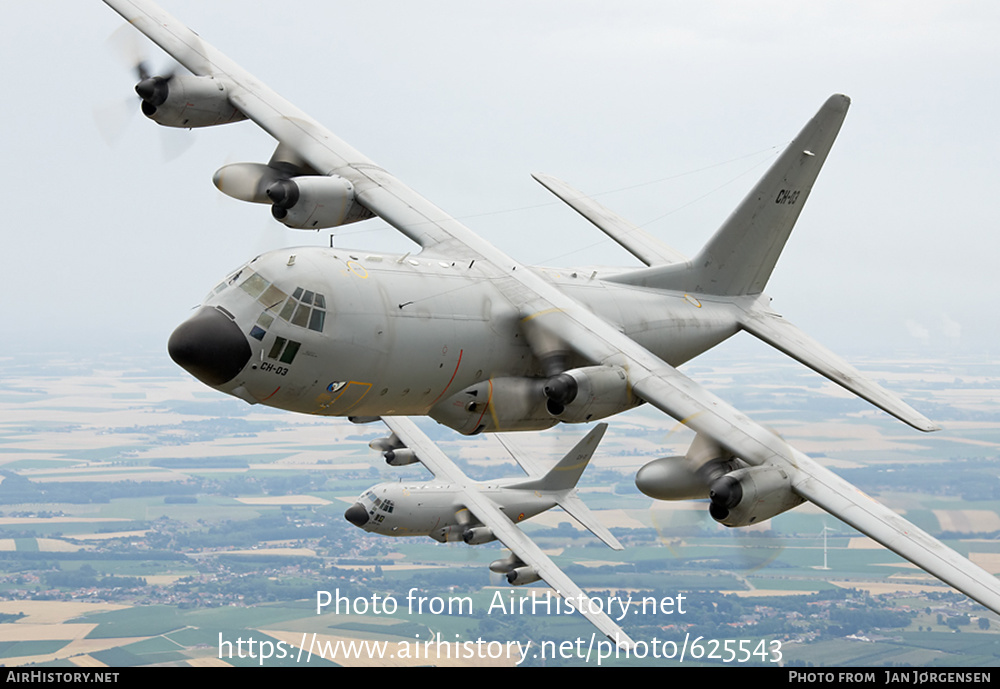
(670, 391)
(840, 498)
(491, 516)
(431, 456)
(414, 216)
(544, 306)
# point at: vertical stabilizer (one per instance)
(567, 472)
(562, 479)
(739, 258)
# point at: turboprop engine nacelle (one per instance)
(399, 457)
(477, 535)
(516, 572)
(186, 101)
(751, 495)
(589, 393)
(534, 404)
(315, 202)
(523, 575)
(498, 404)
(299, 201)
(448, 534)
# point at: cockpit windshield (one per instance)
(304, 308)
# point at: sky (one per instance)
(666, 112)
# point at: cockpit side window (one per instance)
(284, 350)
(317, 320)
(279, 343)
(291, 349)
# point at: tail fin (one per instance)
(739, 258)
(563, 477)
(566, 474)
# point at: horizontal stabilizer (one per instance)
(787, 338)
(576, 508)
(564, 476)
(632, 238)
(567, 472)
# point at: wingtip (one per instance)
(917, 420)
(545, 180)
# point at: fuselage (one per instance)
(436, 509)
(347, 333)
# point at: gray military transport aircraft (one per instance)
(453, 507)
(465, 334)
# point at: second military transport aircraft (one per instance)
(453, 507)
(467, 335)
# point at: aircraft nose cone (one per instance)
(356, 514)
(209, 346)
